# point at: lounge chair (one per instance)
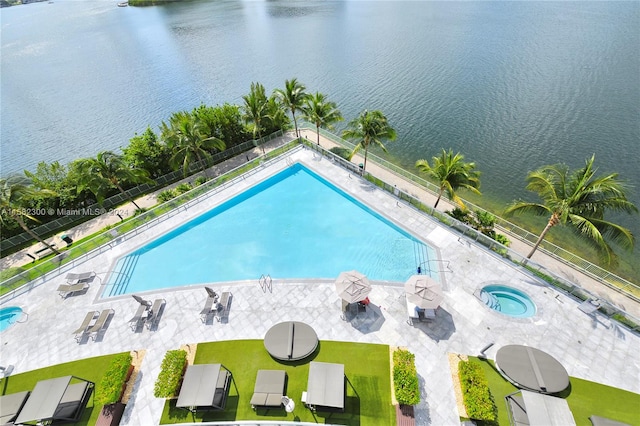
(73, 278)
(139, 317)
(156, 311)
(66, 290)
(82, 330)
(100, 323)
(269, 388)
(210, 305)
(603, 421)
(223, 306)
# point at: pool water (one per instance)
(9, 316)
(292, 225)
(508, 301)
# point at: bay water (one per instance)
(511, 85)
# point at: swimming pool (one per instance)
(9, 316)
(294, 224)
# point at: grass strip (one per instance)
(585, 398)
(92, 369)
(368, 390)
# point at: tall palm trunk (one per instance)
(295, 123)
(439, 196)
(553, 221)
(318, 132)
(34, 235)
(122, 191)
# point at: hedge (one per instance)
(171, 371)
(110, 387)
(405, 378)
(477, 397)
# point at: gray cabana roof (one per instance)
(325, 386)
(50, 400)
(531, 368)
(201, 385)
(545, 410)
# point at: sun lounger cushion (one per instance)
(269, 388)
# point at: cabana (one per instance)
(535, 409)
(204, 387)
(325, 386)
(56, 400)
(10, 406)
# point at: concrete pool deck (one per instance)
(590, 347)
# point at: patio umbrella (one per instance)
(423, 291)
(352, 286)
(141, 301)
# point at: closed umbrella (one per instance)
(423, 291)
(352, 286)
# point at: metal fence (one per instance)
(68, 221)
(25, 280)
(530, 266)
(599, 274)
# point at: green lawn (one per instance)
(366, 366)
(91, 369)
(585, 398)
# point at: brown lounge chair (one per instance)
(100, 324)
(66, 290)
(156, 311)
(82, 330)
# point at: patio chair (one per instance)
(81, 331)
(66, 290)
(10, 406)
(223, 307)
(210, 305)
(142, 301)
(100, 324)
(156, 311)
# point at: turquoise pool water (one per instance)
(292, 225)
(9, 316)
(508, 300)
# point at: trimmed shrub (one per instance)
(199, 180)
(182, 188)
(110, 388)
(167, 195)
(405, 378)
(478, 400)
(170, 376)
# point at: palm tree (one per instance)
(370, 127)
(451, 173)
(109, 170)
(321, 112)
(579, 198)
(188, 144)
(293, 97)
(15, 193)
(255, 108)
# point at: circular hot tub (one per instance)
(9, 316)
(508, 301)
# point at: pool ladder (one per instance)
(490, 300)
(265, 282)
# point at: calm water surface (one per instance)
(512, 85)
